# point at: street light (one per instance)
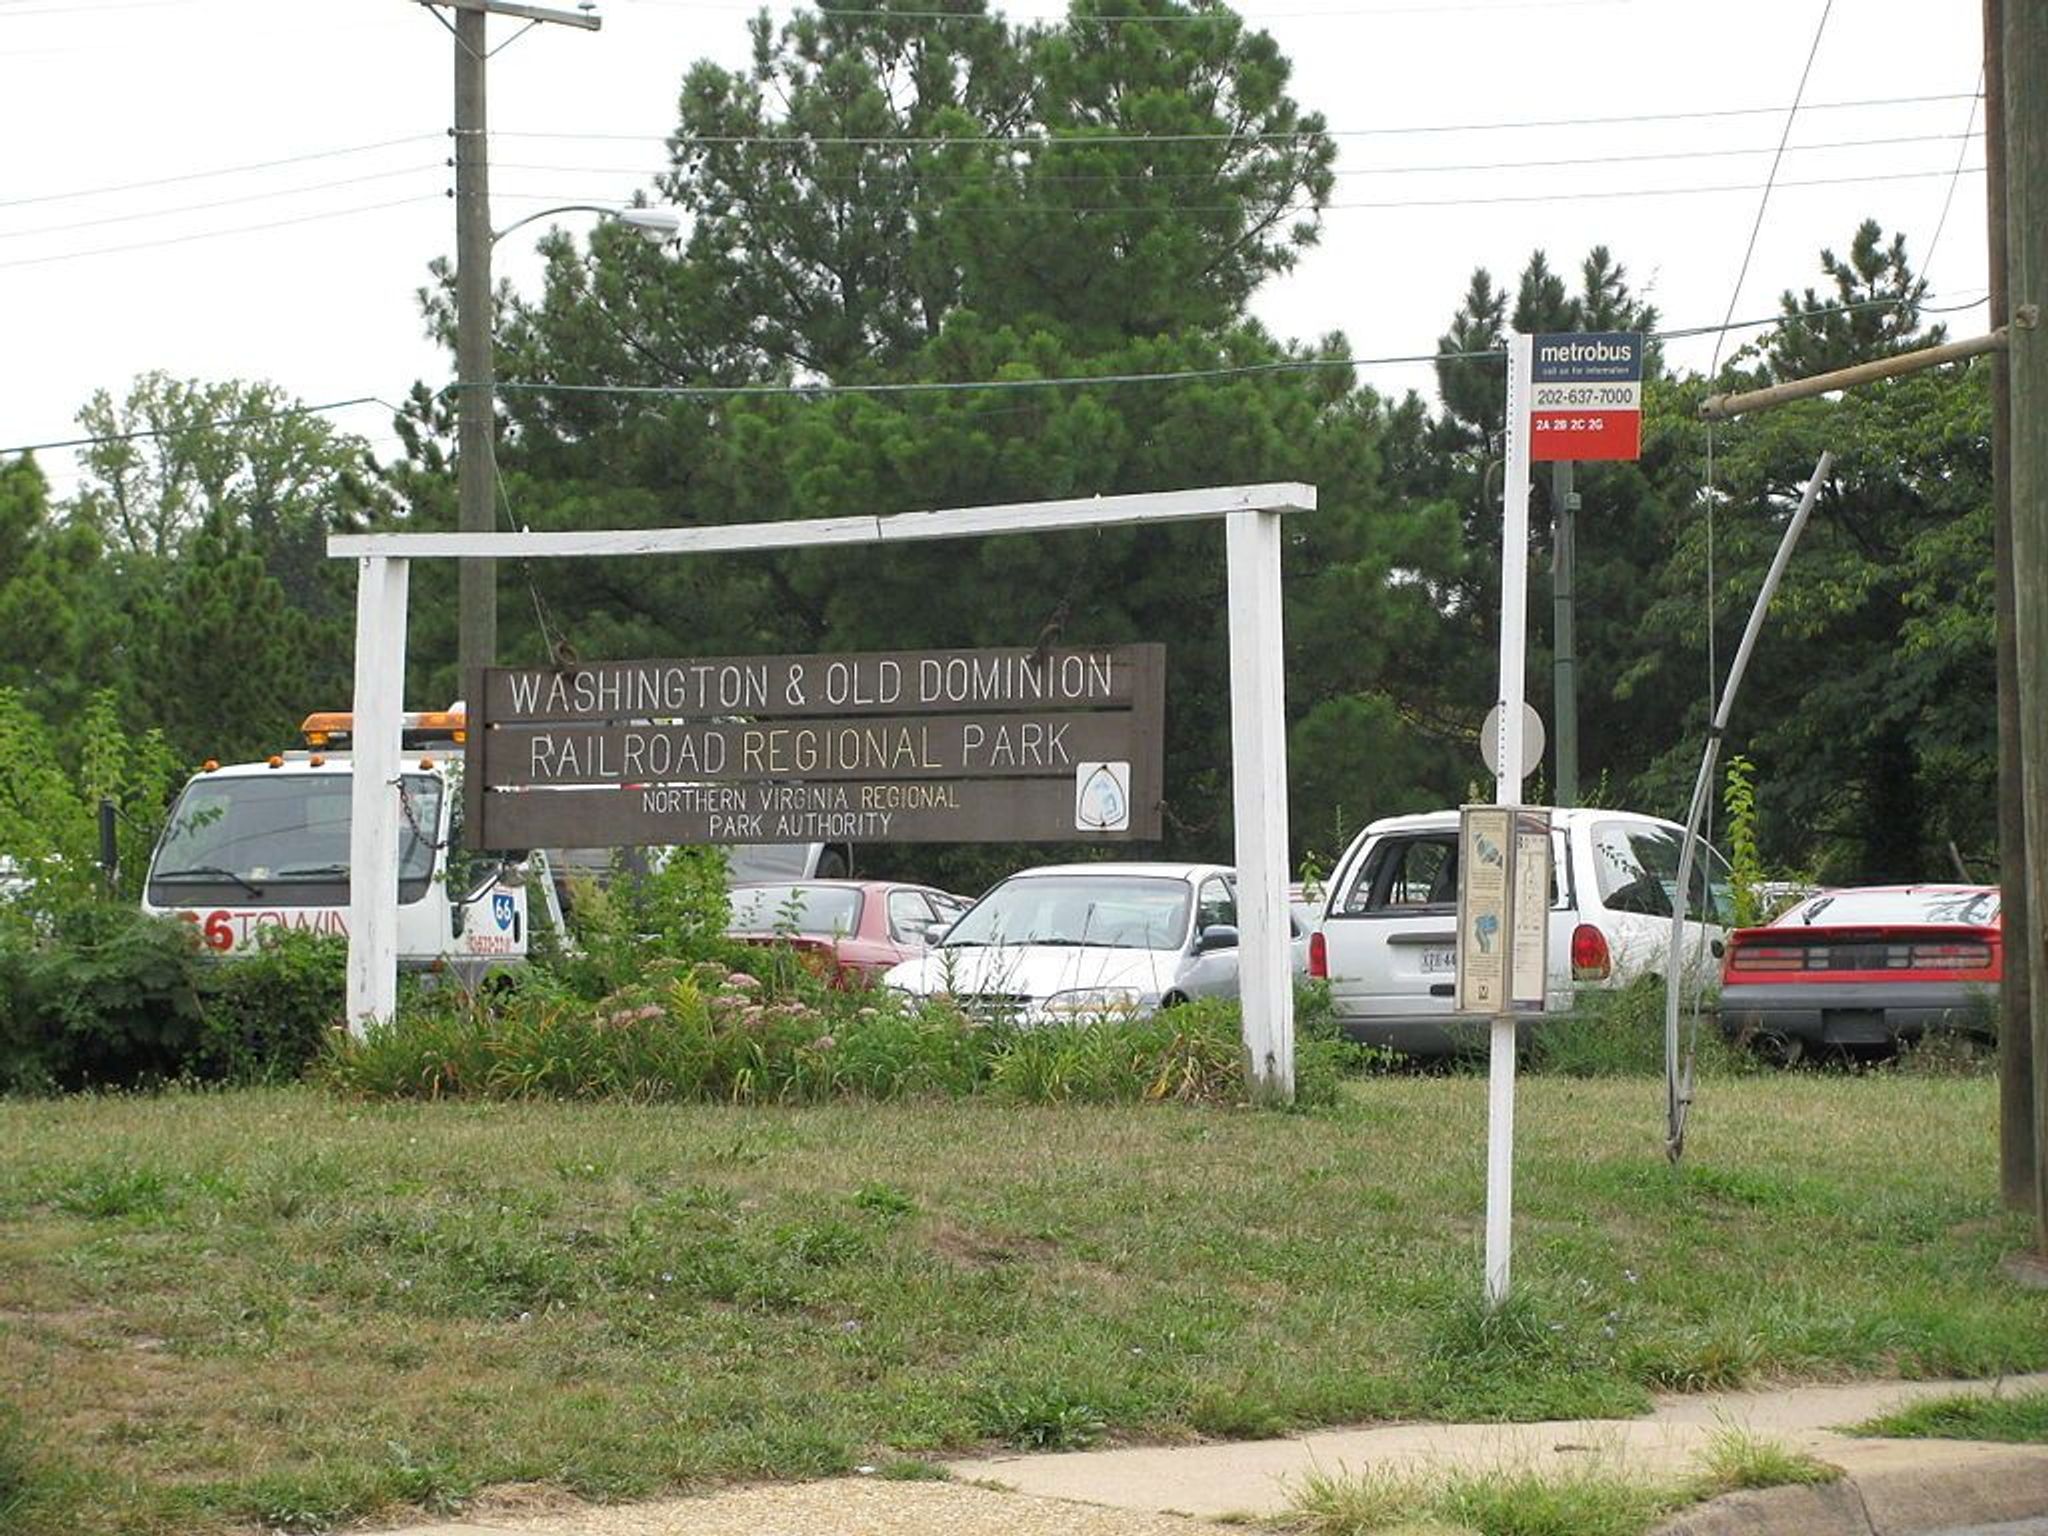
(657, 226)
(476, 604)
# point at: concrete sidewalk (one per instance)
(1253, 1477)
(1891, 1487)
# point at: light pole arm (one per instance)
(546, 213)
(656, 224)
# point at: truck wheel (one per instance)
(832, 864)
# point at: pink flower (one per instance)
(634, 1015)
(823, 1043)
(743, 981)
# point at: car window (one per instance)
(1635, 866)
(1961, 904)
(909, 915)
(1105, 911)
(1404, 874)
(821, 910)
(1216, 906)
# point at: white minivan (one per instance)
(1387, 939)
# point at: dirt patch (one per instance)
(520, 1501)
(988, 1250)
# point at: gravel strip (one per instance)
(844, 1507)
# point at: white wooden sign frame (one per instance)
(1258, 724)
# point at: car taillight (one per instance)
(1767, 957)
(1950, 957)
(1590, 958)
(1318, 957)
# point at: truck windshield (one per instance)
(284, 837)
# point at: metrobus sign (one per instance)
(1586, 396)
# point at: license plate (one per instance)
(1439, 962)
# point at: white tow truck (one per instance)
(252, 849)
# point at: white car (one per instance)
(1387, 941)
(1086, 941)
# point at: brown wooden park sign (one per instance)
(883, 746)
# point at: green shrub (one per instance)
(678, 912)
(267, 1015)
(98, 995)
(685, 1031)
(703, 1031)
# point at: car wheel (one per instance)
(1778, 1050)
(1172, 1000)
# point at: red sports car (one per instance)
(1865, 968)
(861, 926)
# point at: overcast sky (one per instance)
(128, 236)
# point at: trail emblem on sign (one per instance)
(1102, 797)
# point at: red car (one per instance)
(1865, 968)
(862, 926)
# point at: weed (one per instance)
(1592, 1502)
(1737, 1458)
(107, 1193)
(1620, 1033)
(1039, 1418)
(1968, 1049)
(2020, 1417)
(911, 1470)
(884, 1200)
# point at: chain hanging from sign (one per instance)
(949, 746)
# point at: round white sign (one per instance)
(1532, 740)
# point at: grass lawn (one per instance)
(285, 1307)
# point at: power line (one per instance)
(1090, 140)
(226, 170)
(1235, 370)
(956, 386)
(1151, 175)
(216, 234)
(225, 421)
(224, 202)
(1741, 276)
(1950, 196)
(1764, 202)
(1177, 209)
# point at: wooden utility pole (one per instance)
(2015, 1016)
(475, 380)
(2024, 66)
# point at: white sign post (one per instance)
(1252, 516)
(1514, 640)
